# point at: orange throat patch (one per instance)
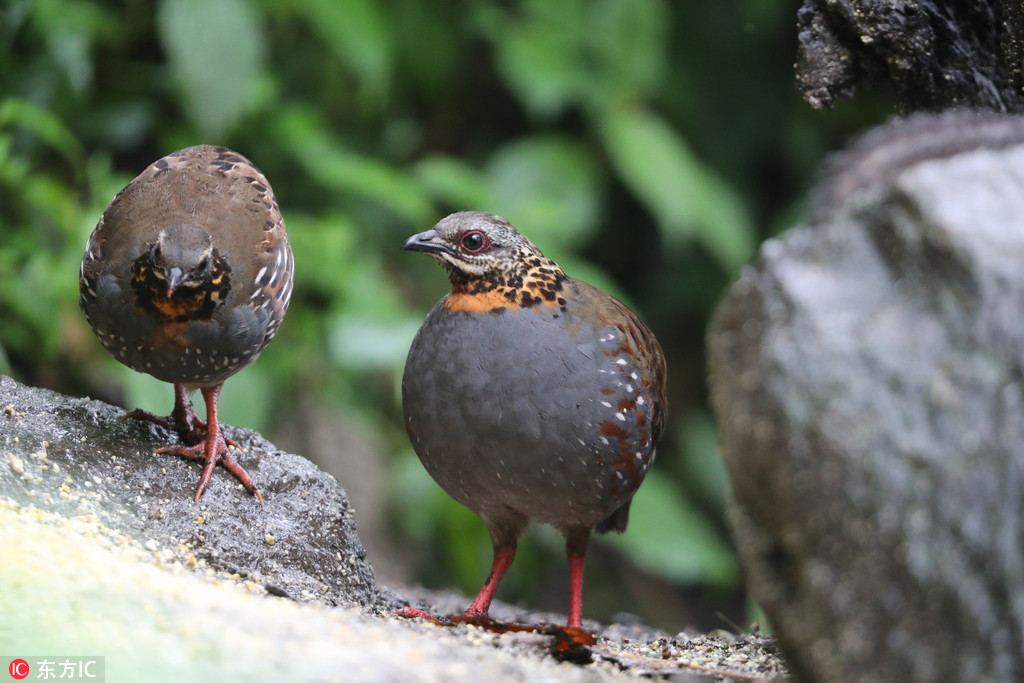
(484, 302)
(181, 305)
(185, 303)
(539, 286)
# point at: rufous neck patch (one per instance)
(541, 283)
(484, 302)
(187, 303)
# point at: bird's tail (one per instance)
(616, 521)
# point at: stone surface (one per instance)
(77, 459)
(932, 54)
(82, 590)
(868, 378)
(104, 554)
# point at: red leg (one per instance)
(478, 610)
(502, 560)
(576, 551)
(214, 449)
(183, 418)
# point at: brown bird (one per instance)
(187, 277)
(529, 395)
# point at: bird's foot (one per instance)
(191, 429)
(183, 419)
(469, 617)
(413, 613)
(475, 617)
(213, 450)
(571, 643)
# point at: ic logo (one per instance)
(18, 669)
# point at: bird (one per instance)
(187, 277)
(529, 396)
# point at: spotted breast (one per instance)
(529, 395)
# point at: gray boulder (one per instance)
(868, 379)
(75, 458)
(931, 54)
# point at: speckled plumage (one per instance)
(187, 277)
(529, 395)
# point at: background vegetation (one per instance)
(648, 146)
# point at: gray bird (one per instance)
(529, 395)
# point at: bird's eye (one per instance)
(474, 242)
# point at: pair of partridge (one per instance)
(529, 395)
(187, 277)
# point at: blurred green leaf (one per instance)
(421, 29)
(70, 28)
(356, 31)
(50, 279)
(215, 53)
(454, 182)
(417, 496)
(145, 392)
(43, 124)
(360, 343)
(548, 186)
(467, 545)
(103, 185)
(701, 466)
(539, 51)
(324, 248)
(669, 537)
(246, 399)
(629, 39)
(688, 199)
(328, 163)
(50, 198)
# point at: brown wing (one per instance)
(272, 273)
(218, 190)
(650, 360)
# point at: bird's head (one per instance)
(490, 264)
(183, 256)
(477, 245)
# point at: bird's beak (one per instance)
(426, 242)
(174, 278)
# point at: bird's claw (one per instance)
(214, 451)
(413, 613)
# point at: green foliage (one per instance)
(697, 554)
(688, 199)
(197, 34)
(647, 146)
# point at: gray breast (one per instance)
(197, 352)
(520, 411)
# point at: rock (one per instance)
(74, 588)
(104, 554)
(75, 458)
(343, 445)
(931, 54)
(868, 378)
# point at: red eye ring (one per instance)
(474, 242)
